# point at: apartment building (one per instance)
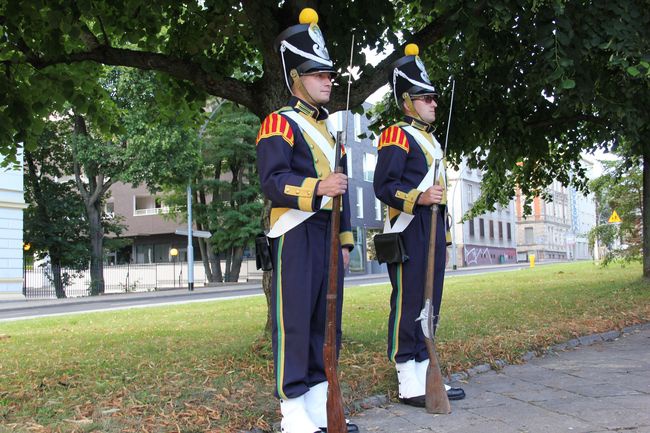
(544, 232)
(558, 228)
(366, 210)
(484, 240)
(149, 224)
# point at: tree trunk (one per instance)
(644, 211)
(204, 258)
(267, 276)
(215, 264)
(235, 264)
(96, 248)
(59, 290)
(228, 265)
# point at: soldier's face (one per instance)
(319, 86)
(426, 107)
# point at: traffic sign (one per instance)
(195, 233)
(614, 218)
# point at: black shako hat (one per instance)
(302, 47)
(408, 75)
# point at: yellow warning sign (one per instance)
(614, 218)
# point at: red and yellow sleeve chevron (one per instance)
(275, 124)
(393, 136)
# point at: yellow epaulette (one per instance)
(275, 124)
(393, 136)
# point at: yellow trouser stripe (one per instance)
(398, 313)
(279, 318)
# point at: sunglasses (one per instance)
(428, 99)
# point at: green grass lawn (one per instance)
(207, 367)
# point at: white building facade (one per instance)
(583, 214)
(488, 239)
(12, 204)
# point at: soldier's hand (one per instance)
(333, 185)
(346, 257)
(433, 195)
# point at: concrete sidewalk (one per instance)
(600, 387)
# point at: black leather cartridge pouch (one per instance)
(389, 248)
(263, 253)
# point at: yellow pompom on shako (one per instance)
(308, 16)
(411, 50)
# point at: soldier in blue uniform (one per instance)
(408, 152)
(295, 157)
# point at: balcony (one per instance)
(151, 211)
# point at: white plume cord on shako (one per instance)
(284, 45)
(397, 72)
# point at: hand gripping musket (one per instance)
(335, 414)
(436, 400)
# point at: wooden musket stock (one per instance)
(335, 414)
(436, 400)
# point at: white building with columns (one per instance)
(12, 204)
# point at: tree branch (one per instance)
(101, 24)
(224, 87)
(99, 185)
(545, 123)
(79, 129)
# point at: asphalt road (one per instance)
(20, 310)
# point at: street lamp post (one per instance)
(174, 253)
(26, 247)
(190, 247)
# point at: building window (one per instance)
(470, 194)
(491, 229)
(481, 227)
(109, 209)
(348, 155)
(161, 253)
(357, 127)
(508, 233)
(377, 209)
(359, 202)
(369, 163)
(500, 230)
(148, 205)
(471, 227)
(144, 254)
(528, 235)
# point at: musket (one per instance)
(335, 414)
(436, 400)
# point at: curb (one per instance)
(381, 400)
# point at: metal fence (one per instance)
(38, 282)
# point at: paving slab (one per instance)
(596, 388)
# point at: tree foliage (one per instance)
(619, 189)
(537, 81)
(54, 222)
(228, 198)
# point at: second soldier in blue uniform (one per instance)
(408, 154)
